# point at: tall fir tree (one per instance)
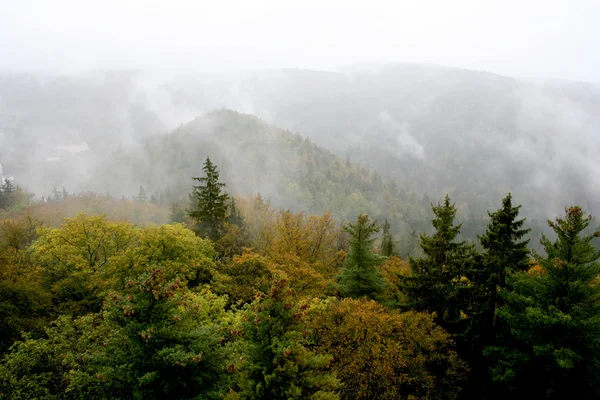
(7, 193)
(360, 275)
(235, 217)
(209, 203)
(442, 281)
(553, 312)
(279, 363)
(387, 242)
(142, 197)
(504, 252)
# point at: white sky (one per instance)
(550, 38)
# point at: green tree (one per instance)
(360, 275)
(235, 217)
(553, 312)
(504, 251)
(441, 281)
(278, 363)
(387, 243)
(177, 213)
(7, 193)
(142, 197)
(208, 203)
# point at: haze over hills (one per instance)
(430, 129)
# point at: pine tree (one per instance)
(55, 194)
(177, 213)
(7, 193)
(360, 276)
(441, 282)
(387, 243)
(279, 363)
(504, 251)
(142, 197)
(65, 194)
(553, 311)
(208, 203)
(235, 217)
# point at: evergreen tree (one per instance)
(142, 197)
(360, 276)
(208, 203)
(235, 217)
(178, 213)
(279, 364)
(387, 243)
(441, 281)
(553, 311)
(504, 251)
(65, 194)
(55, 194)
(8, 192)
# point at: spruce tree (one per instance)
(441, 282)
(387, 243)
(142, 197)
(208, 203)
(7, 193)
(360, 276)
(235, 217)
(504, 251)
(553, 311)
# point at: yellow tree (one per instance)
(385, 355)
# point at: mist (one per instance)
(412, 101)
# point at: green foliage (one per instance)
(387, 243)
(208, 203)
(278, 364)
(167, 340)
(553, 314)
(178, 214)
(504, 252)
(360, 275)
(441, 282)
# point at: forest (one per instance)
(195, 293)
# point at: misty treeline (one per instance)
(238, 299)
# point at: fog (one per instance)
(417, 99)
(536, 38)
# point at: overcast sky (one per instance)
(535, 38)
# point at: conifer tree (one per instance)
(441, 282)
(387, 243)
(65, 194)
(55, 194)
(278, 363)
(504, 251)
(208, 203)
(553, 311)
(360, 276)
(7, 193)
(142, 197)
(235, 217)
(177, 213)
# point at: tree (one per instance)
(7, 193)
(208, 203)
(278, 363)
(177, 213)
(505, 252)
(553, 312)
(387, 243)
(381, 354)
(441, 282)
(65, 194)
(142, 197)
(360, 276)
(235, 217)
